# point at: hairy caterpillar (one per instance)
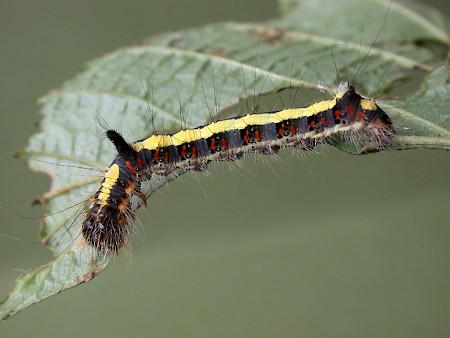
(152, 61)
(107, 224)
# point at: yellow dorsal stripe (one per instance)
(190, 135)
(367, 104)
(111, 177)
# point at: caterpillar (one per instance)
(285, 58)
(107, 223)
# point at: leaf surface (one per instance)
(189, 78)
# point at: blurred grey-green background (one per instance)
(326, 244)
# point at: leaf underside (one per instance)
(192, 77)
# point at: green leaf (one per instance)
(423, 119)
(188, 78)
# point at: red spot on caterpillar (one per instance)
(350, 110)
(166, 156)
(360, 116)
(293, 130)
(224, 143)
(323, 121)
(140, 163)
(213, 144)
(313, 123)
(281, 130)
(246, 136)
(337, 114)
(194, 152)
(257, 135)
(129, 166)
(183, 151)
(156, 155)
